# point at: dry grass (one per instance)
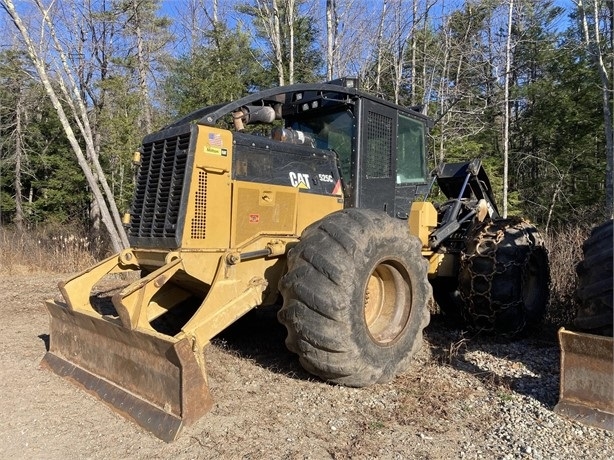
(57, 250)
(44, 251)
(565, 248)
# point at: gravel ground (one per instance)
(465, 397)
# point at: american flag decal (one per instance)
(215, 139)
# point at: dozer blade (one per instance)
(154, 380)
(587, 379)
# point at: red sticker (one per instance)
(254, 218)
(337, 189)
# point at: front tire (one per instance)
(355, 298)
(504, 277)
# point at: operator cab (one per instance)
(380, 146)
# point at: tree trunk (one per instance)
(290, 22)
(276, 41)
(426, 88)
(142, 67)
(506, 103)
(380, 47)
(399, 55)
(94, 212)
(331, 37)
(19, 154)
(414, 75)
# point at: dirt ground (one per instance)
(266, 406)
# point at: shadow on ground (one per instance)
(260, 337)
(45, 339)
(528, 365)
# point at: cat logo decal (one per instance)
(299, 180)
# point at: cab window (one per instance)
(411, 158)
(332, 131)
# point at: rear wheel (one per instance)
(595, 282)
(355, 298)
(504, 277)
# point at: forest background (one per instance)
(524, 85)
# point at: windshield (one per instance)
(331, 131)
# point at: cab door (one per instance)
(377, 163)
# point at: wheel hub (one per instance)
(387, 303)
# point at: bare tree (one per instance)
(350, 37)
(290, 10)
(380, 48)
(19, 156)
(95, 32)
(273, 27)
(269, 17)
(414, 52)
(195, 18)
(506, 104)
(402, 31)
(65, 83)
(138, 18)
(332, 25)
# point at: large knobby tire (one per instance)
(355, 298)
(504, 277)
(595, 281)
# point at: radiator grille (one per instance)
(159, 186)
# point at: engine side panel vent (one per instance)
(199, 221)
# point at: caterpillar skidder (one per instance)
(317, 193)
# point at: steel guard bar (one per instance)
(157, 380)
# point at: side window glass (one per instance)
(411, 157)
(331, 131)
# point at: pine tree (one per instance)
(556, 152)
(221, 70)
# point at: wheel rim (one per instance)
(387, 302)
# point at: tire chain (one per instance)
(480, 310)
